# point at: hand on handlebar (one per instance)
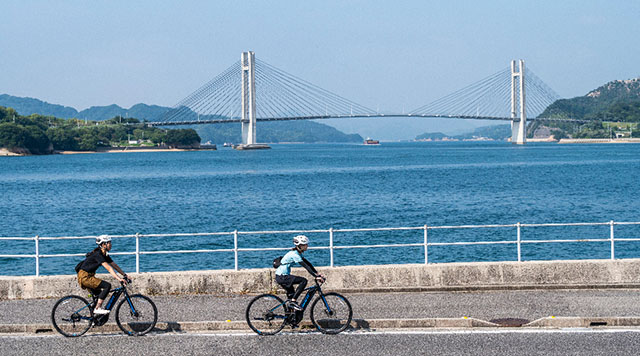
(320, 278)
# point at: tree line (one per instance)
(40, 134)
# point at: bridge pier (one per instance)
(518, 124)
(248, 62)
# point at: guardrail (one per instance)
(518, 242)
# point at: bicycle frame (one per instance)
(310, 292)
(115, 295)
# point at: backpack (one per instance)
(79, 265)
(277, 262)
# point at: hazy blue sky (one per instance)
(381, 54)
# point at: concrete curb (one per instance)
(356, 324)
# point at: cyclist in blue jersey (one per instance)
(287, 280)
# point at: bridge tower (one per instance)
(518, 125)
(248, 63)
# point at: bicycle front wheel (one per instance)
(72, 316)
(266, 314)
(331, 313)
(136, 315)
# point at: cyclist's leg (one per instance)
(302, 284)
(285, 281)
(90, 282)
(104, 288)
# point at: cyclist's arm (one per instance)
(117, 268)
(309, 267)
(108, 267)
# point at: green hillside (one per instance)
(38, 134)
(618, 100)
(608, 107)
(268, 132)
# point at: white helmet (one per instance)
(300, 240)
(102, 239)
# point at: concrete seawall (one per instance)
(415, 277)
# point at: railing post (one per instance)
(426, 254)
(331, 246)
(613, 249)
(37, 239)
(137, 252)
(235, 248)
(519, 245)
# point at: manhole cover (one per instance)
(511, 322)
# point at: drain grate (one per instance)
(510, 322)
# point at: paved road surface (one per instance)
(406, 342)
(486, 305)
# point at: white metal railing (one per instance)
(331, 246)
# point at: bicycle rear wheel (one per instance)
(266, 314)
(136, 315)
(331, 313)
(72, 316)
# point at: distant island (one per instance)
(268, 132)
(613, 110)
(38, 134)
(485, 133)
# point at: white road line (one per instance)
(429, 332)
(354, 333)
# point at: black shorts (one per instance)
(287, 281)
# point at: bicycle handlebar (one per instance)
(127, 280)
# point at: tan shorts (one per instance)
(88, 280)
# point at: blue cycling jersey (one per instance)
(290, 258)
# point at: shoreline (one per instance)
(599, 140)
(125, 150)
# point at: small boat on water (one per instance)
(370, 141)
(227, 144)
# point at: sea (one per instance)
(294, 187)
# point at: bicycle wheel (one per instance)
(266, 314)
(72, 316)
(331, 313)
(136, 315)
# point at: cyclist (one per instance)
(286, 279)
(87, 271)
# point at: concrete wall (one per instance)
(446, 276)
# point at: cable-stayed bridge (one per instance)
(251, 90)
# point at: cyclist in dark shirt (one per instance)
(87, 271)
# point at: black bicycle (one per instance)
(331, 313)
(136, 314)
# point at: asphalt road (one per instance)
(406, 342)
(487, 305)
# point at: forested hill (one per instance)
(618, 100)
(29, 106)
(268, 132)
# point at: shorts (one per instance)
(288, 280)
(88, 280)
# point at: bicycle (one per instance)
(331, 313)
(72, 315)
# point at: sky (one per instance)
(386, 55)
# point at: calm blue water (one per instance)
(317, 187)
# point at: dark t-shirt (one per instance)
(94, 260)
